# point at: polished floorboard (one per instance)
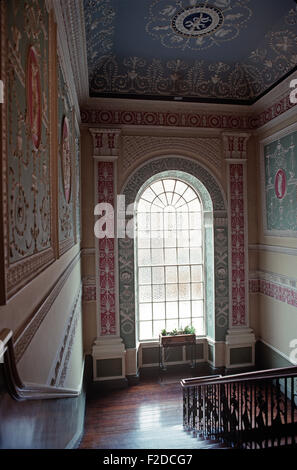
(148, 415)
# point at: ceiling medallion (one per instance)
(197, 21)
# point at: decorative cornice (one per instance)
(25, 335)
(277, 286)
(274, 249)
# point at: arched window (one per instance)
(169, 258)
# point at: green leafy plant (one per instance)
(188, 330)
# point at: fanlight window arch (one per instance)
(169, 259)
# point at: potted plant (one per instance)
(178, 337)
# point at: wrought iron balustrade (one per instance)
(250, 410)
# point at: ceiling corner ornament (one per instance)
(34, 98)
(198, 26)
(66, 159)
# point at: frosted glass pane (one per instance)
(170, 239)
(171, 325)
(195, 220)
(181, 205)
(144, 257)
(143, 206)
(197, 308)
(157, 256)
(195, 238)
(143, 239)
(143, 221)
(184, 322)
(189, 195)
(157, 206)
(197, 291)
(184, 274)
(169, 219)
(171, 274)
(169, 197)
(145, 330)
(144, 276)
(184, 292)
(157, 187)
(148, 195)
(196, 273)
(145, 293)
(170, 256)
(159, 311)
(171, 310)
(157, 239)
(198, 324)
(172, 292)
(196, 255)
(158, 293)
(175, 198)
(182, 220)
(183, 238)
(169, 185)
(158, 275)
(145, 311)
(156, 221)
(184, 309)
(180, 187)
(163, 199)
(183, 255)
(194, 206)
(158, 326)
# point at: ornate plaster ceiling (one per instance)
(218, 50)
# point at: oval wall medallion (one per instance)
(280, 184)
(34, 98)
(66, 159)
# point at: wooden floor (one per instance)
(144, 416)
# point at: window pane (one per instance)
(175, 198)
(198, 324)
(169, 185)
(171, 310)
(158, 275)
(145, 293)
(195, 220)
(159, 311)
(197, 291)
(170, 256)
(157, 256)
(145, 311)
(144, 257)
(184, 273)
(184, 309)
(184, 292)
(157, 239)
(182, 220)
(195, 237)
(169, 219)
(184, 322)
(170, 239)
(158, 293)
(143, 241)
(180, 187)
(157, 187)
(171, 274)
(197, 308)
(183, 238)
(157, 206)
(196, 255)
(172, 324)
(183, 255)
(148, 195)
(145, 330)
(143, 206)
(163, 199)
(144, 276)
(189, 195)
(196, 273)
(158, 326)
(156, 221)
(171, 292)
(194, 206)
(143, 221)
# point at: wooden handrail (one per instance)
(244, 377)
(26, 391)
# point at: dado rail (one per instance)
(250, 410)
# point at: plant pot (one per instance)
(177, 340)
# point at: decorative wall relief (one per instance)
(279, 171)
(66, 165)
(26, 161)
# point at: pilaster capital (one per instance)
(106, 142)
(235, 145)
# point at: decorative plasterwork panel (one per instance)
(136, 147)
(274, 285)
(217, 327)
(279, 184)
(225, 50)
(26, 159)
